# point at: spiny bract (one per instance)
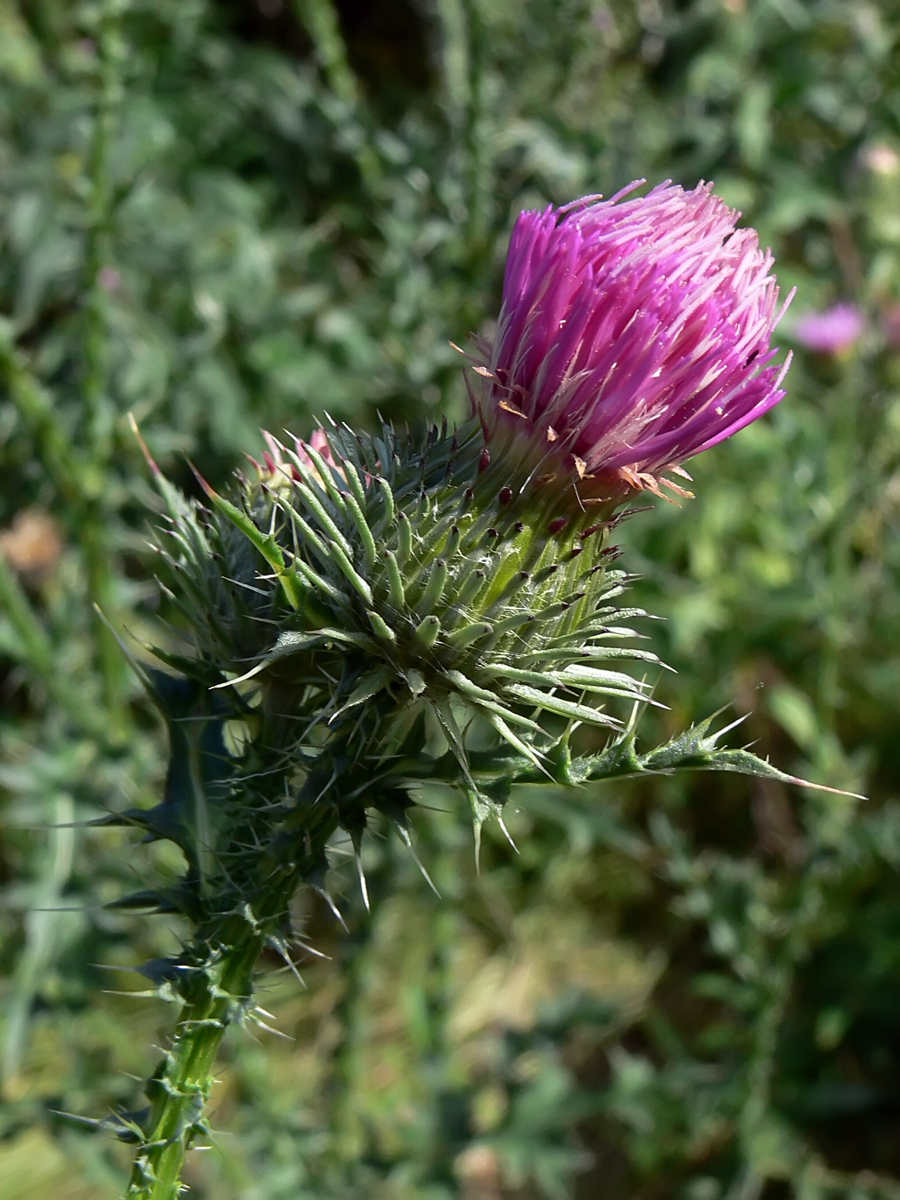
(374, 600)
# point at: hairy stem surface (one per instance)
(180, 1087)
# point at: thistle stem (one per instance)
(181, 1085)
(214, 977)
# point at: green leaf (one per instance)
(370, 686)
(265, 543)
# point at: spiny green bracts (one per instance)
(363, 617)
(428, 588)
(421, 578)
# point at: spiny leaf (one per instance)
(370, 551)
(461, 638)
(489, 700)
(380, 626)
(563, 708)
(350, 573)
(315, 506)
(694, 749)
(426, 632)
(317, 581)
(370, 686)
(515, 741)
(434, 588)
(265, 543)
(177, 505)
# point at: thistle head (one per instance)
(277, 469)
(382, 610)
(634, 333)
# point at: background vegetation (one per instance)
(223, 215)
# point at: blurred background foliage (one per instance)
(222, 215)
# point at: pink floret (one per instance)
(634, 333)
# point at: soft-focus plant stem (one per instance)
(36, 408)
(78, 478)
(479, 177)
(77, 481)
(98, 408)
(35, 646)
(462, 59)
(35, 650)
(41, 931)
(321, 20)
(776, 969)
(80, 474)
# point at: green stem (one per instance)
(478, 169)
(34, 648)
(80, 475)
(321, 20)
(65, 466)
(103, 589)
(181, 1086)
(463, 42)
(41, 932)
(215, 980)
(98, 409)
(79, 481)
(779, 971)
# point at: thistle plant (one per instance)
(364, 615)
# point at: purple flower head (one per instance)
(831, 331)
(634, 333)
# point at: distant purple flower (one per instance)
(891, 325)
(109, 279)
(633, 334)
(831, 331)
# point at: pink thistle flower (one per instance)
(633, 333)
(832, 331)
(279, 465)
